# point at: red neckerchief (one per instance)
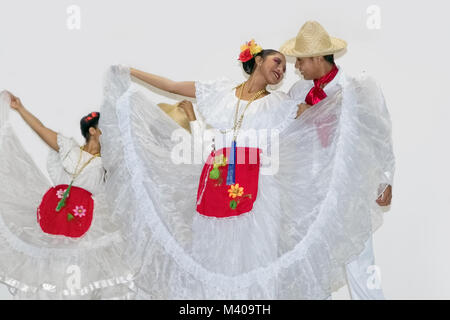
(316, 94)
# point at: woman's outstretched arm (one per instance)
(183, 88)
(49, 136)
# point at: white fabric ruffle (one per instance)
(309, 220)
(37, 265)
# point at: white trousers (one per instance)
(363, 276)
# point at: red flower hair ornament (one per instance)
(249, 50)
(91, 116)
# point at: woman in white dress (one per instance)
(57, 242)
(269, 227)
(235, 227)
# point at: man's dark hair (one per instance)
(329, 59)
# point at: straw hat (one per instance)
(177, 114)
(312, 41)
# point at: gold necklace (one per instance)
(238, 123)
(76, 173)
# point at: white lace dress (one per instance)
(37, 265)
(313, 211)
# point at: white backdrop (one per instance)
(53, 55)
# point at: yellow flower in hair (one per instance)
(244, 47)
(254, 48)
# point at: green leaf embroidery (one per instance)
(214, 174)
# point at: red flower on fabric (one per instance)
(245, 55)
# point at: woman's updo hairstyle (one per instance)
(250, 65)
(91, 120)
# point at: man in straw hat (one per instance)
(314, 51)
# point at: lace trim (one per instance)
(91, 287)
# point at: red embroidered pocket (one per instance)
(217, 199)
(74, 219)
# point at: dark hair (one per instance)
(249, 66)
(329, 59)
(91, 120)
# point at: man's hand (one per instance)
(385, 199)
(302, 107)
(188, 108)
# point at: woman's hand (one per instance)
(188, 108)
(15, 104)
(49, 136)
